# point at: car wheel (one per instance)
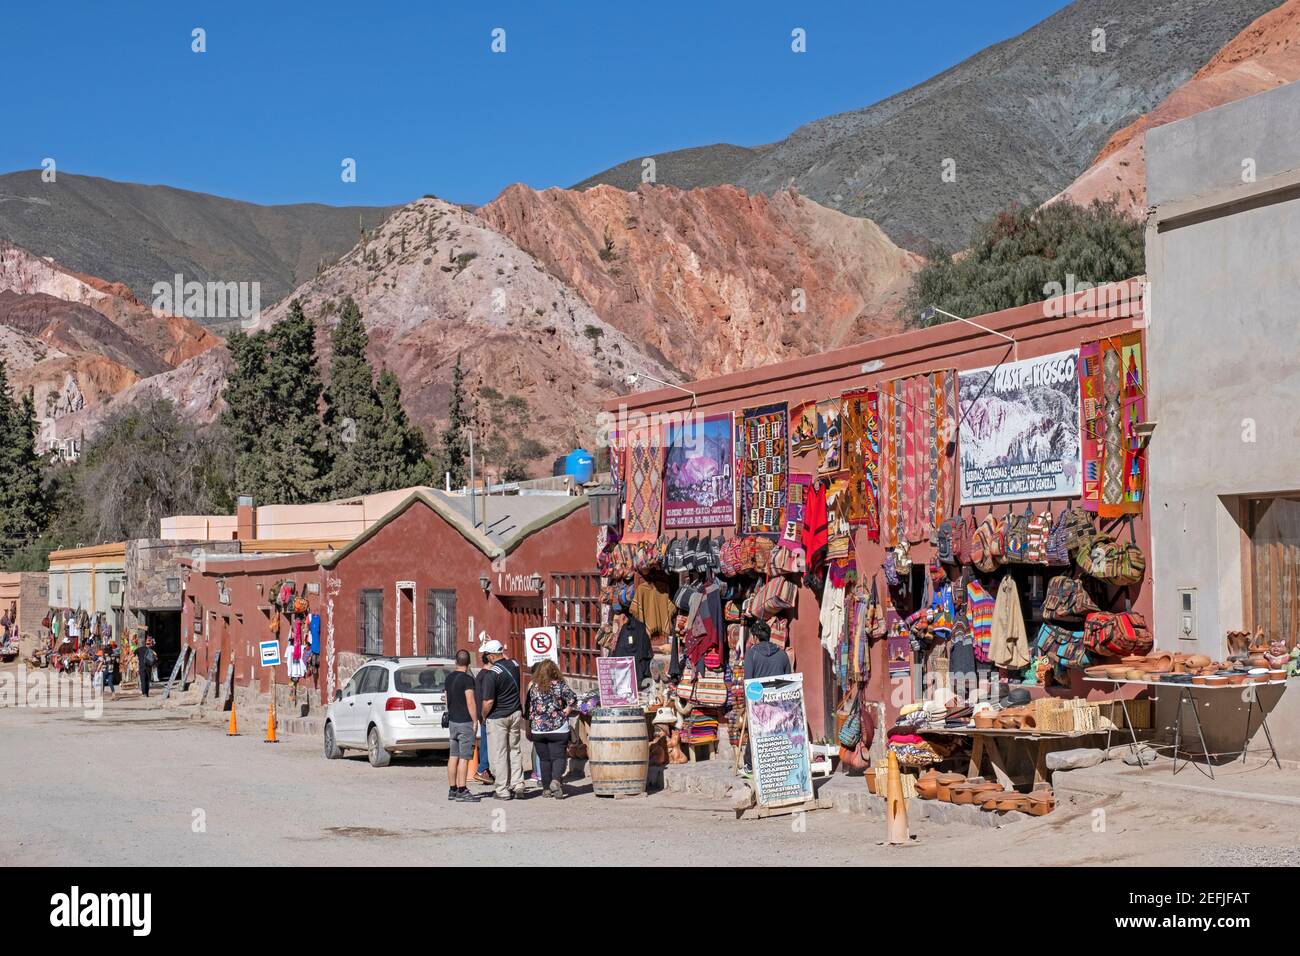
(332, 750)
(379, 757)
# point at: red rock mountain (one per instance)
(1264, 55)
(714, 279)
(77, 341)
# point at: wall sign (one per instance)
(1019, 437)
(541, 644)
(269, 653)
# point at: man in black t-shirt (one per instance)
(482, 683)
(462, 722)
(500, 709)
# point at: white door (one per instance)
(346, 711)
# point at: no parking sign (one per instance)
(540, 644)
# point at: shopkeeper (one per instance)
(764, 659)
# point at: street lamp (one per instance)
(485, 583)
(602, 506)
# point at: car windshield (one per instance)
(424, 679)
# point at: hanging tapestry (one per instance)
(1113, 387)
(803, 428)
(645, 487)
(830, 448)
(918, 474)
(698, 491)
(839, 534)
(762, 489)
(796, 496)
(862, 458)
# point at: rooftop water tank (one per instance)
(579, 465)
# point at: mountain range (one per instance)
(557, 296)
(1019, 120)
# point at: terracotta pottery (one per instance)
(986, 721)
(1277, 673)
(1197, 660)
(1200, 679)
(971, 792)
(1040, 802)
(946, 782)
(1214, 680)
(871, 781)
(1236, 679)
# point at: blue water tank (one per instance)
(579, 465)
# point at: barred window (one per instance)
(370, 622)
(440, 627)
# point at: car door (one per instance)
(347, 715)
(371, 695)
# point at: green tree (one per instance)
(353, 416)
(455, 438)
(1025, 255)
(24, 506)
(273, 396)
(403, 450)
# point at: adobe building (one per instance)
(1024, 333)
(29, 592)
(90, 579)
(424, 579)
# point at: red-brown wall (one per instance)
(1038, 332)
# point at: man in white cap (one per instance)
(504, 718)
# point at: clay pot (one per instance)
(964, 793)
(986, 721)
(1199, 679)
(1197, 660)
(946, 782)
(1278, 673)
(927, 788)
(1237, 679)
(1214, 680)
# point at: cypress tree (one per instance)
(353, 417)
(455, 442)
(404, 452)
(296, 453)
(23, 505)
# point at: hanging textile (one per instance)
(1112, 386)
(980, 613)
(763, 435)
(918, 475)
(832, 617)
(862, 456)
(797, 487)
(803, 428)
(830, 436)
(645, 474)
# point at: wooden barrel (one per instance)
(618, 751)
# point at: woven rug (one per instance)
(862, 458)
(764, 438)
(830, 436)
(1112, 388)
(796, 497)
(645, 489)
(918, 478)
(803, 428)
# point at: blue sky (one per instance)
(413, 92)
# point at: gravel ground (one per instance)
(178, 792)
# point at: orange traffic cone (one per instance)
(270, 724)
(233, 729)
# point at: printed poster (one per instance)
(1019, 437)
(616, 678)
(778, 740)
(699, 488)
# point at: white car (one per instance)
(390, 705)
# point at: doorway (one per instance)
(406, 613)
(524, 612)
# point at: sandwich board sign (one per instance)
(270, 653)
(540, 644)
(778, 740)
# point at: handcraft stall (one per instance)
(942, 531)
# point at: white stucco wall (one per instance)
(1223, 259)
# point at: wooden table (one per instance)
(986, 742)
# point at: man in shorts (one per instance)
(462, 714)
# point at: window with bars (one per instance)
(370, 622)
(440, 627)
(575, 612)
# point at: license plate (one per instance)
(433, 709)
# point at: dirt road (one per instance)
(146, 787)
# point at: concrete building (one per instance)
(91, 579)
(1225, 371)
